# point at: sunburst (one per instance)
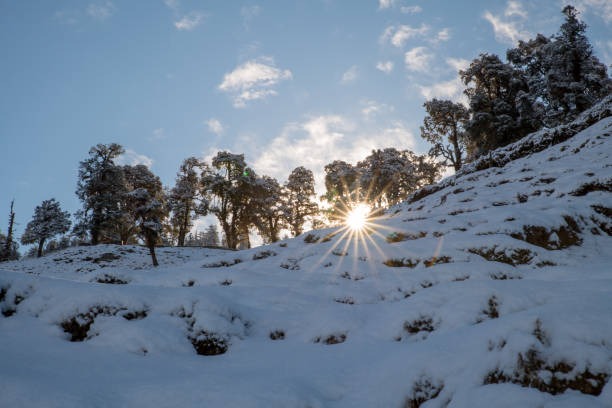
(357, 218)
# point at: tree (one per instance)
(341, 185)
(230, 188)
(444, 128)
(299, 199)
(562, 71)
(183, 198)
(499, 109)
(269, 208)
(48, 221)
(8, 246)
(576, 78)
(147, 202)
(388, 176)
(211, 236)
(101, 187)
(530, 57)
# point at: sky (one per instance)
(287, 83)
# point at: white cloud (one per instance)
(253, 80)
(398, 36)
(190, 21)
(385, 66)
(417, 59)
(443, 35)
(132, 158)
(411, 9)
(101, 11)
(322, 139)
(373, 108)
(452, 89)
(509, 30)
(458, 64)
(385, 4)
(350, 75)
(214, 126)
(506, 32)
(515, 8)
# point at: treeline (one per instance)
(124, 204)
(546, 81)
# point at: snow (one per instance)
(398, 332)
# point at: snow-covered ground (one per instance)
(495, 291)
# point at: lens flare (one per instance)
(357, 218)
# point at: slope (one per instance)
(492, 288)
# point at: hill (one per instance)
(491, 288)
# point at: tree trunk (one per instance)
(181, 237)
(458, 162)
(40, 247)
(152, 252)
(95, 232)
(184, 226)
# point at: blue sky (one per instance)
(287, 83)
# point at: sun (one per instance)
(357, 218)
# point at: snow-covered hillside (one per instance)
(494, 290)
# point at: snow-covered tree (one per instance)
(388, 176)
(530, 57)
(444, 128)
(341, 188)
(300, 204)
(229, 191)
(8, 246)
(496, 93)
(562, 71)
(147, 201)
(269, 208)
(48, 221)
(184, 197)
(100, 187)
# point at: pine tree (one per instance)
(8, 246)
(444, 128)
(101, 187)
(562, 72)
(497, 105)
(300, 204)
(576, 79)
(48, 221)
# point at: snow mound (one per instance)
(493, 289)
